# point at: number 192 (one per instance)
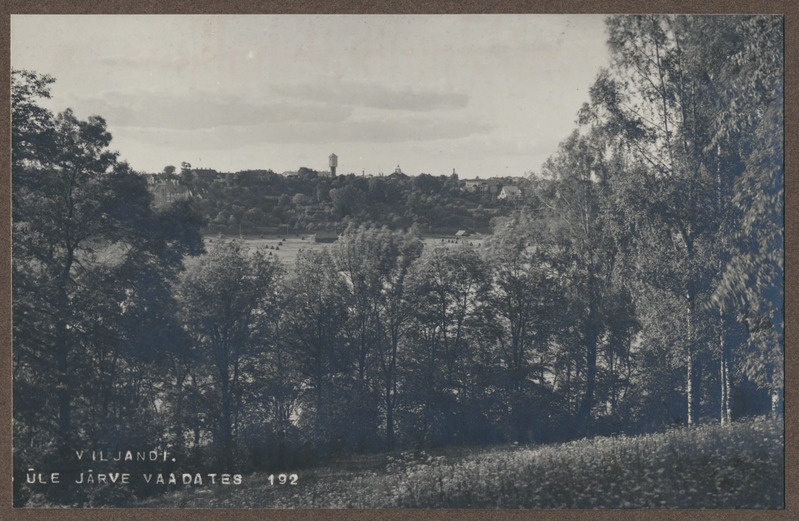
(283, 479)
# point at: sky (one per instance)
(485, 95)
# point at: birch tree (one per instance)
(676, 102)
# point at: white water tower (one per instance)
(333, 164)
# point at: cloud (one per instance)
(373, 130)
(201, 110)
(226, 122)
(389, 130)
(508, 145)
(373, 95)
(147, 64)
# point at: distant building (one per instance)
(333, 164)
(473, 185)
(489, 186)
(167, 192)
(510, 193)
(493, 187)
(325, 237)
(461, 233)
(152, 179)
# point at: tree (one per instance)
(449, 290)
(315, 312)
(582, 250)
(678, 110)
(376, 264)
(228, 304)
(346, 200)
(31, 124)
(89, 253)
(749, 124)
(67, 198)
(524, 296)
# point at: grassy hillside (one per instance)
(740, 466)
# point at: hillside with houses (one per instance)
(262, 202)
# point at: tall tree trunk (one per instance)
(62, 348)
(724, 376)
(389, 421)
(587, 402)
(226, 427)
(692, 376)
(180, 379)
(613, 381)
(690, 386)
(64, 385)
(387, 346)
(724, 370)
(726, 416)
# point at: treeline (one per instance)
(639, 285)
(261, 201)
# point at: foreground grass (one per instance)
(739, 466)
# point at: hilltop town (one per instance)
(263, 202)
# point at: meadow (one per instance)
(710, 466)
(286, 247)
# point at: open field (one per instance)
(286, 248)
(739, 466)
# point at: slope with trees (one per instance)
(637, 285)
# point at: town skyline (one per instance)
(485, 95)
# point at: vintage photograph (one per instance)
(398, 261)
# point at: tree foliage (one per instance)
(638, 285)
(229, 301)
(89, 271)
(694, 116)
